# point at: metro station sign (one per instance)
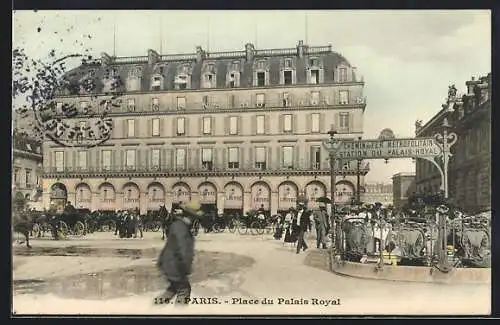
(384, 149)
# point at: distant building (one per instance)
(377, 192)
(469, 172)
(237, 130)
(27, 168)
(403, 186)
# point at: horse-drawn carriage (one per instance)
(70, 222)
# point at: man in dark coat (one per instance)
(302, 224)
(176, 258)
(322, 226)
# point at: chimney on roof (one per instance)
(200, 54)
(250, 51)
(153, 57)
(300, 49)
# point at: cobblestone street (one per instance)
(254, 268)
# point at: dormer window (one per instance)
(209, 76)
(314, 62)
(260, 75)
(288, 75)
(183, 77)
(233, 75)
(134, 79)
(157, 82)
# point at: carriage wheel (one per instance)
(63, 228)
(36, 230)
(242, 229)
(231, 227)
(79, 229)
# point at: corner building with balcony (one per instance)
(235, 130)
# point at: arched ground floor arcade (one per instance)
(229, 194)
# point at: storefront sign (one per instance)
(233, 197)
(207, 194)
(313, 192)
(180, 193)
(287, 197)
(394, 148)
(261, 197)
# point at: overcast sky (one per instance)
(408, 58)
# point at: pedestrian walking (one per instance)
(289, 233)
(322, 226)
(176, 258)
(301, 225)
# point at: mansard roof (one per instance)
(169, 66)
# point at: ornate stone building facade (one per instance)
(27, 168)
(470, 166)
(236, 130)
(377, 192)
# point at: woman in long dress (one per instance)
(289, 234)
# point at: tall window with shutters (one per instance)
(287, 123)
(181, 121)
(155, 158)
(155, 104)
(314, 98)
(261, 100)
(206, 158)
(181, 103)
(82, 160)
(155, 127)
(315, 157)
(260, 158)
(315, 123)
(233, 159)
(260, 121)
(106, 159)
(130, 128)
(130, 159)
(180, 159)
(207, 125)
(344, 122)
(131, 105)
(286, 100)
(342, 74)
(233, 125)
(287, 157)
(343, 97)
(59, 161)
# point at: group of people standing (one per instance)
(128, 223)
(300, 220)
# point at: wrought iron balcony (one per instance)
(216, 169)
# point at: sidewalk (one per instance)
(278, 272)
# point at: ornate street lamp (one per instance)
(335, 225)
(358, 185)
(445, 141)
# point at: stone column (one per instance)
(143, 202)
(168, 200)
(247, 201)
(119, 204)
(95, 204)
(221, 196)
(274, 203)
(72, 198)
(46, 199)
